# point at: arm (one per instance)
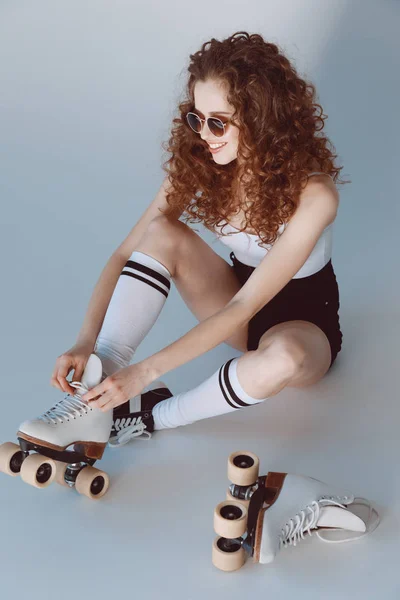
(316, 210)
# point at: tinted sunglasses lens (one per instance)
(216, 127)
(194, 122)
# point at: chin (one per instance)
(223, 160)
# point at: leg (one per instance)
(242, 382)
(305, 341)
(168, 249)
(223, 392)
(205, 281)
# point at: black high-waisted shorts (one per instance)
(314, 298)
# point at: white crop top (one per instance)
(246, 249)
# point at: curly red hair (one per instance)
(278, 141)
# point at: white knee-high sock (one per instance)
(220, 394)
(137, 300)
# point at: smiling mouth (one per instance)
(214, 150)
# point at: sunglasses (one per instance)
(215, 125)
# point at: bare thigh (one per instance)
(205, 281)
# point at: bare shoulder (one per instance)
(320, 187)
(319, 197)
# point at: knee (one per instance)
(164, 229)
(288, 351)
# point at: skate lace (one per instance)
(302, 523)
(69, 407)
(125, 435)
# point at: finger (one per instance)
(63, 371)
(105, 402)
(54, 383)
(53, 380)
(94, 391)
(78, 374)
(101, 401)
(108, 406)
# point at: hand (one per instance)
(73, 359)
(119, 387)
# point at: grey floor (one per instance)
(151, 535)
(76, 85)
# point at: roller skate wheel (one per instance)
(38, 470)
(61, 467)
(11, 459)
(230, 519)
(243, 467)
(227, 555)
(232, 499)
(92, 482)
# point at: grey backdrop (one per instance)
(79, 82)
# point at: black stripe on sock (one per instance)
(234, 396)
(153, 285)
(139, 267)
(223, 391)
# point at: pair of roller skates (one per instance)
(64, 443)
(260, 515)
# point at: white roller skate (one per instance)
(66, 440)
(264, 514)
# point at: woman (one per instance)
(269, 193)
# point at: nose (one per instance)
(205, 133)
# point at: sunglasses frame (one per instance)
(202, 121)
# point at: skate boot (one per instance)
(66, 441)
(134, 419)
(263, 514)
